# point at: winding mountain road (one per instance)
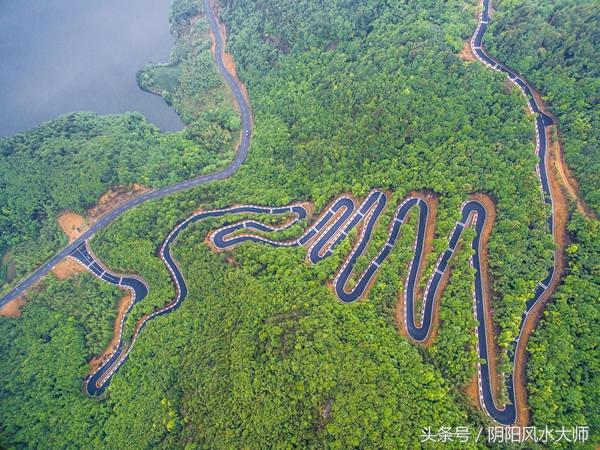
(328, 231)
(242, 153)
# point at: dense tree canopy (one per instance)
(347, 96)
(68, 163)
(556, 44)
(565, 355)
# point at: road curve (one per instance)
(97, 382)
(242, 152)
(336, 223)
(328, 231)
(508, 415)
(331, 228)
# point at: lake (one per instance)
(60, 56)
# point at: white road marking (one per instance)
(360, 216)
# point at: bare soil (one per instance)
(228, 60)
(562, 184)
(471, 390)
(561, 241)
(13, 308)
(114, 197)
(72, 224)
(466, 54)
(67, 268)
(564, 174)
(399, 315)
(310, 210)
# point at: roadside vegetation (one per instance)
(565, 357)
(190, 82)
(68, 163)
(347, 97)
(556, 45)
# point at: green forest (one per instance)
(346, 97)
(556, 45)
(67, 164)
(564, 364)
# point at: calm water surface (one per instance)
(60, 56)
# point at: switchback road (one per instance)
(331, 228)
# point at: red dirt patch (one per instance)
(114, 197)
(228, 60)
(471, 391)
(66, 269)
(561, 240)
(564, 174)
(466, 54)
(13, 308)
(564, 177)
(72, 224)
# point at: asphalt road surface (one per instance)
(327, 232)
(246, 118)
